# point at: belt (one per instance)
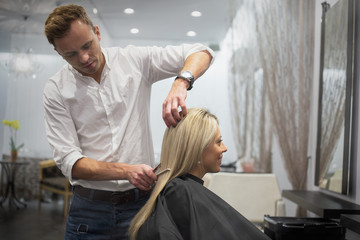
(109, 196)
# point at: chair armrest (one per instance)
(47, 163)
(279, 208)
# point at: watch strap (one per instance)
(187, 76)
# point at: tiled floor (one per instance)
(31, 223)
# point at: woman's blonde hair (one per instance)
(182, 148)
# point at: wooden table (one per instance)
(10, 169)
(321, 204)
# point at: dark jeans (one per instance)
(89, 219)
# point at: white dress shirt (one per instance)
(109, 121)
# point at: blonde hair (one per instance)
(182, 148)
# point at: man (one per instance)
(97, 119)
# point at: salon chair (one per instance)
(252, 194)
(51, 179)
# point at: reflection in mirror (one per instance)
(335, 97)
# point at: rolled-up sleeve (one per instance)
(161, 63)
(60, 130)
(197, 47)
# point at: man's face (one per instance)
(81, 48)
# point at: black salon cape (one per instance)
(186, 210)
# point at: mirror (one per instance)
(335, 97)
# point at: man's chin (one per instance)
(87, 72)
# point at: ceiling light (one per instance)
(134, 30)
(21, 64)
(196, 14)
(95, 11)
(129, 11)
(191, 34)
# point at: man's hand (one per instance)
(175, 98)
(196, 63)
(141, 176)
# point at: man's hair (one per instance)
(58, 23)
(182, 149)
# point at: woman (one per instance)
(180, 207)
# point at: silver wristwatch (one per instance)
(187, 76)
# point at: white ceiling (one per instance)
(157, 20)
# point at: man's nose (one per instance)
(83, 56)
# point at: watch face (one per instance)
(187, 74)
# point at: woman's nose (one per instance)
(224, 148)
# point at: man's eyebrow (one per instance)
(87, 43)
(68, 53)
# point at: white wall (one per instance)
(23, 102)
(3, 97)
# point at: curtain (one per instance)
(285, 33)
(251, 121)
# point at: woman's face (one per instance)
(212, 155)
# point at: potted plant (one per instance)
(14, 126)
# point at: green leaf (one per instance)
(20, 146)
